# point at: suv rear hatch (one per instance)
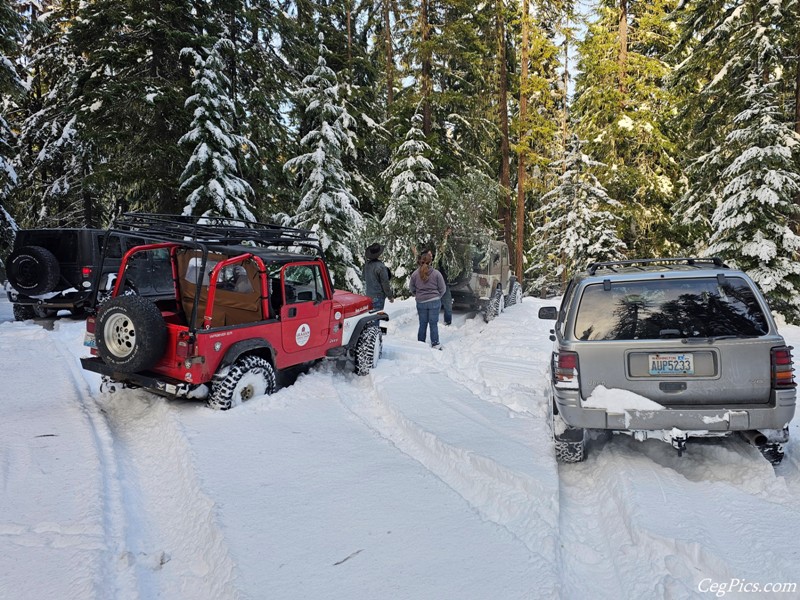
(677, 341)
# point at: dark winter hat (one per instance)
(374, 251)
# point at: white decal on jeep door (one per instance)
(302, 335)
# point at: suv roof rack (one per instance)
(692, 262)
(214, 230)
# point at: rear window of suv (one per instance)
(669, 308)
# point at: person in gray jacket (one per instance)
(376, 276)
(427, 285)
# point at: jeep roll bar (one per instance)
(692, 262)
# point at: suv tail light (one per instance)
(565, 369)
(90, 321)
(86, 272)
(782, 368)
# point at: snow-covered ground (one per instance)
(431, 478)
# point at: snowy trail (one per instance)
(470, 427)
(71, 456)
(174, 545)
(433, 477)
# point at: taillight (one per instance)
(90, 324)
(86, 272)
(565, 369)
(184, 347)
(782, 368)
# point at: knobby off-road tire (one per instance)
(248, 377)
(23, 312)
(497, 304)
(515, 295)
(33, 270)
(130, 334)
(368, 349)
(569, 442)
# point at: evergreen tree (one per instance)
(721, 46)
(55, 158)
(621, 107)
(413, 203)
(327, 205)
(132, 87)
(579, 226)
(212, 174)
(10, 85)
(754, 224)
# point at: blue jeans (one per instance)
(429, 315)
(378, 302)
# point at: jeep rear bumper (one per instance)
(738, 417)
(163, 386)
(53, 300)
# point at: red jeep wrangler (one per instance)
(251, 299)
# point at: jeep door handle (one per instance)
(292, 312)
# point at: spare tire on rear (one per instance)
(130, 333)
(33, 270)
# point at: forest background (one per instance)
(576, 131)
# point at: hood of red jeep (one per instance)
(352, 304)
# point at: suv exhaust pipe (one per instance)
(755, 438)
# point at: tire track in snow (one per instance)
(173, 543)
(114, 576)
(456, 437)
(663, 527)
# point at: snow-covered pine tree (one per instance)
(211, 176)
(327, 204)
(413, 202)
(10, 84)
(719, 47)
(754, 223)
(578, 227)
(621, 107)
(56, 160)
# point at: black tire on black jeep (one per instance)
(23, 312)
(130, 334)
(368, 349)
(248, 377)
(33, 270)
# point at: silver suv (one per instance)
(669, 349)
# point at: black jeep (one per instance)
(56, 269)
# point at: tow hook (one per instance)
(679, 443)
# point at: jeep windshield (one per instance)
(669, 308)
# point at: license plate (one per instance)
(671, 364)
(89, 341)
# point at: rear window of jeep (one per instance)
(669, 308)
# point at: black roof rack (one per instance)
(214, 230)
(693, 262)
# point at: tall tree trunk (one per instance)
(504, 212)
(426, 69)
(387, 32)
(523, 116)
(797, 92)
(565, 108)
(349, 35)
(623, 48)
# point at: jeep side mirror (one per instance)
(548, 312)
